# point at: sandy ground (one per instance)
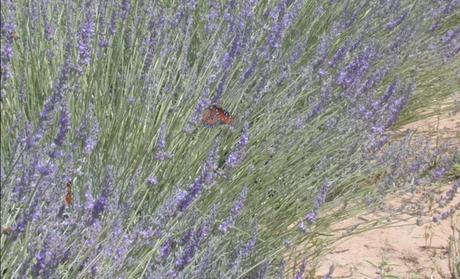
(409, 244)
(405, 246)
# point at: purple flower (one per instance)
(125, 9)
(50, 30)
(151, 44)
(448, 36)
(262, 273)
(87, 33)
(319, 107)
(203, 103)
(7, 52)
(444, 200)
(340, 53)
(204, 264)
(44, 169)
(236, 157)
(211, 17)
(230, 15)
(451, 43)
(250, 245)
(64, 126)
(208, 171)
(231, 55)
(320, 198)
(101, 203)
(152, 180)
(92, 139)
(444, 215)
(299, 274)
(40, 264)
(113, 22)
(161, 154)
(394, 23)
(391, 90)
(439, 172)
(235, 212)
(278, 29)
(196, 239)
(450, 7)
(244, 251)
(51, 102)
(50, 255)
(311, 217)
(249, 71)
(94, 269)
(302, 226)
(165, 249)
(328, 275)
(248, 9)
(56, 153)
(356, 69)
(206, 178)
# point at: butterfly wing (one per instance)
(215, 115)
(210, 117)
(68, 199)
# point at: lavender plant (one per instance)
(108, 95)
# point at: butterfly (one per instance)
(7, 230)
(15, 35)
(68, 199)
(215, 115)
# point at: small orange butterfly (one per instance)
(15, 35)
(215, 115)
(7, 230)
(68, 199)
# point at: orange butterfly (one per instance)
(215, 115)
(7, 230)
(15, 35)
(68, 199)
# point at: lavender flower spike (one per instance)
(92, 139)
(236, 157)
(86, 36)
(245, 251)
(64, 126)
(161, 154)
(235, 212)
(99, 206)
(152, 180)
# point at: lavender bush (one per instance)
(107, 170)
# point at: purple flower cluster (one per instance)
(320, 199)
(235, 212)
(244, 251)
(302, 269)
(98, 206)
(9, 33)
(206, 179)
(446, 214)
(449, 196)
(194, 241)
(236, 156)
(88, 30)
(161, 154)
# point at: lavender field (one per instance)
(212, 139)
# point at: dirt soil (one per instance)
(407, 246)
